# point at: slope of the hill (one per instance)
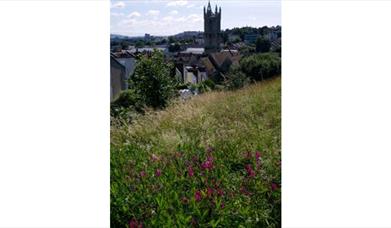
(211, 161)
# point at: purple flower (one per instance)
(209, 149)
(210, 192)
(220, 192)
(158, 172)
(274, 186)
(208, 164)
(142, 174)
(134, 224)
(222, 205)
(257, 155)
(197, 196)
(250, 171)
(190, 171)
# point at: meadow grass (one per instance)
(212, 161)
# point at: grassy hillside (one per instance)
(212, 161)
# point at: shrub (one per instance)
(261, 66)
(126, 106)
(183, 86)
(152, 81)
(262, 45)
(236, 79)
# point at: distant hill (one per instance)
(116, 36)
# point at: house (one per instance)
(194, 74)
(128, 60)
(117, 78)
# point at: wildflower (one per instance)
(209, 149)
(134, 224)
(154, 157)
(158, 172)
(210, 192)
(274, 186)
(190, 171)
(250, 171)
(197, 196)
(220, 192)
(222, 205)
(208, 164)
(142, 174)
(257, 155)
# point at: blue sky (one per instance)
(169, 17)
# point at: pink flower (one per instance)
(274, 186)
(222, 205)
(134, 224)
(142, 174)
(220, 192)
(250, 171)
(208, 164)
(257, 155)
(197, 196)
(154, 157)
(210, 192)
(190, 171)
(158, 172)
(209, 149)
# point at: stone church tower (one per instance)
(212, 29)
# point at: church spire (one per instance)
(209, 7)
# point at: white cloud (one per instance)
(190, 6)
(167, 25)
(177, 3)
(168, 18)
(153, 13)
(113, 14)
(174, 12)
(134, 14)
(118, 5)
(194, 17)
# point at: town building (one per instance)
(212, 29)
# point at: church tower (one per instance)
(212, 29)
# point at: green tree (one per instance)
(152, 81)
(261, 66)
(140, 44)
(235, 79)
(262, 45)
(174, 47)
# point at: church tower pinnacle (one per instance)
(212, 29)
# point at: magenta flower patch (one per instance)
(197, 196)
(250, 171)
(158, 173)
(190, 171)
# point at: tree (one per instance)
(262, 45)
(261, 66)
(235, 79)
(140, 44)
(174, 47)
(152, 81)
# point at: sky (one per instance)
(170, 17)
